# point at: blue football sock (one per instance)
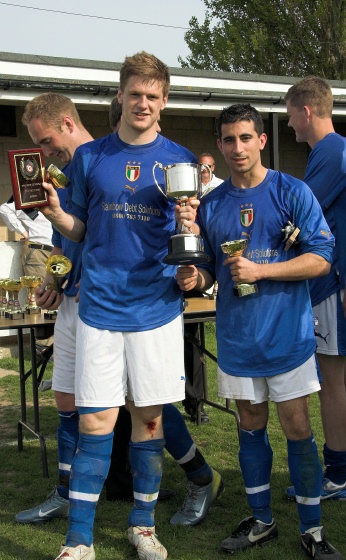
(67, 444)
(146, 458)
(335, 463)
(306, 475)
(181, 446)
(255, 458)
(88, 472)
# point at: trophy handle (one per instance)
(160, 166)
(206, 166)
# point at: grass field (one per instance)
(22, 486)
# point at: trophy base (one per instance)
(242, 290)
(50, 314)
(32, 310)
(187, 257)
(14, 315)
(186, 248)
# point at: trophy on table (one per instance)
(3, 296)
(183, 181)
(236, 249)
(58, 266)
(13, 310)
(31, 282)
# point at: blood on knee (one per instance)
(152, 427)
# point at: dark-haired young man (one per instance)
(265, 340)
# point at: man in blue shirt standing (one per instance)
(265, 340)
(129, 340)
(309, 105)
(54, 123)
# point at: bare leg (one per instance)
(146, 422)
(294, 418)
(252, 416)
(333, 400)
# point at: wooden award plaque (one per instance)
(27, 174)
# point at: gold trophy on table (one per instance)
(14, 310)
(58, 266)
(3, 296)
(183, 181)
(236, 249)
(31, 282)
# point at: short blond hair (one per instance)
(50, 108)
(147, 68)
(312, 91)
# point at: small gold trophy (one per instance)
(58, 266)
(14, 310)
(3, 296)
(57, 177)
(236, 249)
(31, 282)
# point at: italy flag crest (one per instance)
(132, 172)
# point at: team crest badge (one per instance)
(132, 172)
(29, 168)
(246, 217)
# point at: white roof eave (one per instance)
(195, 92)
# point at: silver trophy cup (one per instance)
(182, 181)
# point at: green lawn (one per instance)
(22, 486)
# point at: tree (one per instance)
(277, 37)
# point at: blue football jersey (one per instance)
(270, 332)
(125, 284)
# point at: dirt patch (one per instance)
(4, 372)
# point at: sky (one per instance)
(62, 29)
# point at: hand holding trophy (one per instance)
(236, 249)
(58, 266)
(183, 181)
(28, 173)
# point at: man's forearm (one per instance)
(303, 267)
(204, 280)
(11, 221)
(67, 224)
